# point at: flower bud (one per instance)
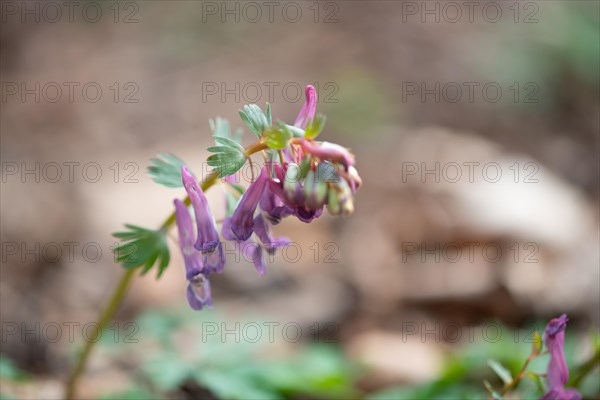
(291, 183)
(333, 203)
(315, 191)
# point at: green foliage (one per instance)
(9, 371)
(133, 393)
(229, 156)
(220, 127)
(142, 247)
(315, 126)
(294, 130)
(234, 368)
(501, 371)
(277, 138)
(464, 370)
(268, 115)
(166, 170)
(255, 119)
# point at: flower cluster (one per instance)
(299, 178)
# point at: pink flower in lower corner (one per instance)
(558, 373)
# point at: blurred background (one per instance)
(476, 133)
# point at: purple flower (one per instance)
(558, 373)
(262, 229)
(294, 202)
(198, 291)
(272, 206)
(242, 220)
(309, 108)
(246, 247)
(240, 226)
(208, 238)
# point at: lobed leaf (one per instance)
(142, 247)
(255, 119)
(166, 170)
(229, 156)
(220, 127)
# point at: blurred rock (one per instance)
(393, 359)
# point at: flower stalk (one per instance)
(122, 287)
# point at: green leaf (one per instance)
(234, 384)
(269, 119)
(132, 393)
(294, 130)
(229, 156)
(220, 127)
(167, 371)
(501, 371)
(166, 170)
(9, 371)
(277, 138)
(142, 247)
(255, 119)
(315, 126)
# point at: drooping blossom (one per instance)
(262, 228)
(242, 220)
(208, 238)
(273, 207)
(300, 180)
(558, 373)
(198, 290)
(242, 224)
(329, 177)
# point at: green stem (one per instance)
(123, 285)
(515, 382)
(105, 318)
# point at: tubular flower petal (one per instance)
(263, 231)
(329, 151)
(214, 261)
(308, 109)
(208, 238)
(272, 206)
(198, 292)
(248, 248)
(558, 373)
(185, 227)
(242, 219)
(257, 259)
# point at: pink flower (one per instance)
(558, 373)
(307, 112)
